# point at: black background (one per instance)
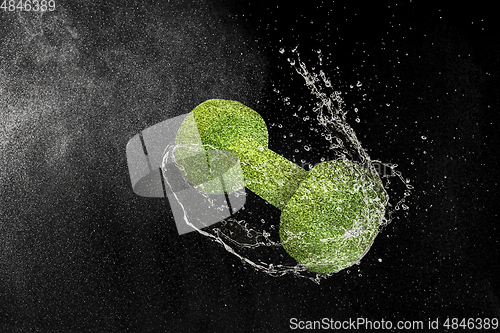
(79, 252)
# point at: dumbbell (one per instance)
(330, 215)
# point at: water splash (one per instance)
(239, 237)
(331, 115)
(256, 242)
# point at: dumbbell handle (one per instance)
(267, 174)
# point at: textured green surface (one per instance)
(330, 215)
(216, 124)
(221, 122)
(269, 175)
(334, 216)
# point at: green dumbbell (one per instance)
(329, 215)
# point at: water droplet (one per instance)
(356, 110)
(424, 137)
(307, 148)
(280, 126)
(282, 50)
(379, 259)
(357, 119)
(359, 84)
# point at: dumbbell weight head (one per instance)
(205, 140)
(333, 217)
